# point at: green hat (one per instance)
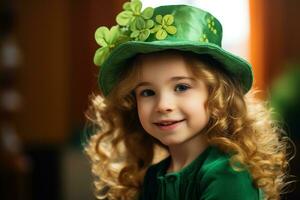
(179, 27)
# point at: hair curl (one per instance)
(121, 151)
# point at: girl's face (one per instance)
(170, 100)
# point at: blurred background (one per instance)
(47, 76)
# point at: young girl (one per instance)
(173, 120)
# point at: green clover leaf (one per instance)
(124, 18)
(161, 34)
(101, 55)
(147, 13)
(126, 6)
(136, 6)
(158, 19)
(107, 39)
(164, 26)
(168, 20)
(133, 14)
(140, 24)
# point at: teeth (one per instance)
(166, 123)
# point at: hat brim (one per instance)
(110, 70)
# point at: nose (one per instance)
(165, 104)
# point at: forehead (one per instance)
(163, 64)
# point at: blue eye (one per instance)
(147, 93)
(182, 87)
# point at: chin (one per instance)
(170, 142)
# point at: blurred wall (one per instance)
(55, 78)
(274, 38)
(57, 42)
(43, 34)
(275, 51)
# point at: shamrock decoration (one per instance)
(211, 24)
(133, 24)
(164, 26)
(142, 31)
(107, 39)
(133, 14)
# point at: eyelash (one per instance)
(142, 93)
(184, 87)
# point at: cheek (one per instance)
(194, 101)
(143, 112)
(145, 118)
(197, 107)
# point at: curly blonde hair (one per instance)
(121, 151)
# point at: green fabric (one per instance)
(208, 177)
(196, 31)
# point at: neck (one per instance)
(184, 154)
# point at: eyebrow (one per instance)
(175, 78)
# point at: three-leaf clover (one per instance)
(164, 26)
(107, 39)
(133, 13)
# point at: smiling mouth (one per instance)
(168, 123)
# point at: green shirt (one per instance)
(208, 177)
